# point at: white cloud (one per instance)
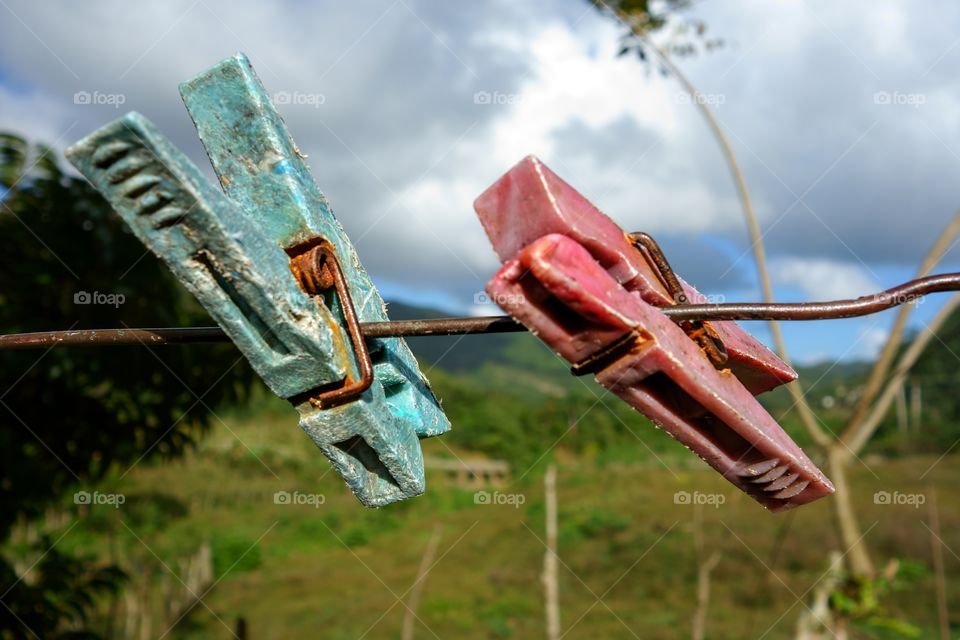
(401, 148)
(871, 340)
(37, 116)
(575, 77)
(822, 278)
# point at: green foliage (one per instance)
(145, 511)
(938, 377)
(683, 37)
(862, 600)
(234, 553)
(356, 536)
(595, 522)
(57, 599)
(486, 578)
(650, 16)
(453, 353)
(70, 416)
(518, 422)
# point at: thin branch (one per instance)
(807, 417)
(817, 622)
(882, 366)
(858, 437)
(703, 595)
(704, 568)
(417, 590)
(551, 591)
(936, 543)
(857, 556)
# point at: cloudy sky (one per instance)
(845, 116)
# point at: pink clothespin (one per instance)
(580, 283)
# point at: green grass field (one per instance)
(628, 559)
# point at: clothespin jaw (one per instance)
(531, 201)
(577, 290)
(217, 252)
(272, 223)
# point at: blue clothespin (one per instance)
(272, 265)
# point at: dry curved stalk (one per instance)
(859, 436)
(426, 563)
(848, 526)
(807, 417)
(839, 449)
(840, 453)
(885, 361)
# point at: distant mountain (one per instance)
(830, 372)
(454, 353)
(502, 361)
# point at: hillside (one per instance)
(327, 567)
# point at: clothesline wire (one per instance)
(908, 292)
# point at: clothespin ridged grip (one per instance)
(216, 251)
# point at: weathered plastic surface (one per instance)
(374, 441)
(261, 169)
(557, 289)
(531, 201)
(239, 275)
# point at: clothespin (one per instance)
(577, 281)
(274, 268)
(531, 201)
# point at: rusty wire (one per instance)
(911, 291)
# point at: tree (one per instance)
(885, 379)
(936, 374)
(683, 36)
(70, 416)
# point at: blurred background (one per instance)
(151, 493)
